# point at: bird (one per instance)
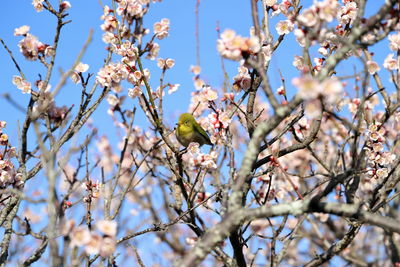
(189, 130)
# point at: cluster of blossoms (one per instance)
(219, 120)
(128, 51)
(8, 174)
(112, 75)
(131, 8)
(236, 47)
(30, 46)
(242, 81)
(161, 29)
(324, 11)
(378, 160)
(94, 243)
(197, 159)
(92, 189)
(200, 100)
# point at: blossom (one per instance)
(109, 38)
(309, 88)
(332, 89)
(308, 18)
(112, 100)
(220, 120)
(23, 30)
(394, 42)
(300, 37)
(107, 227)
(134, 92)
(94, 244)
(80, 236)
(161, 29)
(80, 68)
(107, 247)
(327, 10)
(30, 47)
(372, 67)
(271, 2)
(165, 64)
(233, 46)
(112, 74)
(195, 69)
(153, 53)
(284, 27)
(173, 88)
(128, 51)
(299, 63)
(49, 51)
(38, 5)
(65, 5)
(110, 24)
(22, 84)
(390, 63)
(209, 94)
(347, 13)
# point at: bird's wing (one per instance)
(202, 132)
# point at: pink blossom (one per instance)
(161, 29)
(23, 30)
(38, 5)
(22, 84)
(134, 92)
(327, 10)
(112, 74)
(309, 88)
(107, 227)
(347, 13)
(173, 88)
(390, 63)
(128, 51)
(153, 53)
(298, 62)
(234, 46)
(94, 244)
(65, 5)
(80, 236)
(394, 42)
(30, 47)
(210, 94)
(284, 27)
(195, 69)
(308, 18)
(107, 247)
(372, 67)
(110, 24)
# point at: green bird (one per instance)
(189, 130)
